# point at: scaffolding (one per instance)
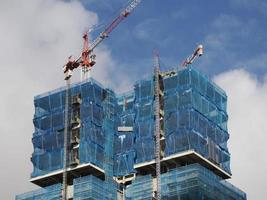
(87, 128)
(47, 193)
(89, 144)
(194, 117)
(90, 187)
(191, 182)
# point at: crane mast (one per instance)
(159, 124)
(66, 146)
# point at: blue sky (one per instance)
(233, 33)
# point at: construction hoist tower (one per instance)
(159, 124)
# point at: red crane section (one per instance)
(87, 59)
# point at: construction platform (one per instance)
(182, 159)
(79, 171)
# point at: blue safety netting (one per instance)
(191, 78)
(140, 189)
(110, 129)
(144, 90)
(191, 182)
(125, 109)
(53, 192)
(96, 111)
(124, 155)
(124, 142)
(87, 187)
(90, 187)
(196, 182)
(144, 121)
(188, 129)
(209, 100)
(195, 118)
(144, 148)
(124, 163)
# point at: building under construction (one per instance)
(112, 142)
(166, 139)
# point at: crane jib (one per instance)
(131, 6)
(115, 23)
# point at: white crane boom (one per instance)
(197, 53)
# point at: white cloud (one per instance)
(36, 38)
(247, 109)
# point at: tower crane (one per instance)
(86, 61)
(197, 53)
